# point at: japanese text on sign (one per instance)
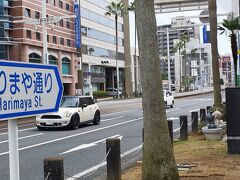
(15, 84)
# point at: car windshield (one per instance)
(69, 102)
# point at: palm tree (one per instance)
(117, 9)
(181, 44)
(158, 159)
(231, 26)
(214, 49)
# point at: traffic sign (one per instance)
(28, 89)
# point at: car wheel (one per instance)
(74, 123)
(97, 117)
(40, 128)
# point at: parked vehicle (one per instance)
(113, 92)
(73, 111)
(168, 98)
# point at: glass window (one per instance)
(48, 38)
(52, 60)
(38, 36)
(68, 24)
(68, 42)
(54, 39)
(69, 102)
(37, 15)
(27, 12)
(66, 66)
(62, 41)
(35, 58)
(61, 4)
(29, 34)
(61, 23)
(89, 101)
(67, 7)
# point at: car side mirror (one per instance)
(84, 105)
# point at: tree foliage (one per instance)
(229, 27)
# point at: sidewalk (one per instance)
(205, 90)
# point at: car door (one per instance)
(91, 108)
(82, 110)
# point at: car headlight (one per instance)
(68, 114)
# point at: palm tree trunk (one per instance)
(117, 70)
(234, 54)
(215, 64)
(158, 159)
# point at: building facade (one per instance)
(5, 28)
(194, 69)
(23, 41)
(173, 35)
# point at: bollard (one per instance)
(194, 121)
(143, 135)
(208, 108)
(53, 168)
(203, 115)
(170, 129)
(183, 128)
(113, 159)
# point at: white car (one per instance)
(168, 98)
(73, 111)
(113, 92)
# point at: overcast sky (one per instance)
(223, 6)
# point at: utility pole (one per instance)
(168, 58)
(44, 27)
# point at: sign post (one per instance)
(26, 90)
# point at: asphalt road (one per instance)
(84, 149)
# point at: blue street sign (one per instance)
(77, 25)
(205, 35)
(28, 89)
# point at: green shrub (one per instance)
(100, 94)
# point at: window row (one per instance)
(100, 19)
(66, 63)
(92, 33)
(37, 15)
(101, 52)
(60, 4)
(99, 3)
(55, 40)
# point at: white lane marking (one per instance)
(120, 112)
(35, 127)
(117, 106)
(25, 137)
(87, 171)
(84, 146)
(74, 135)
(21, 130)
(194, 110)
(172, 110)
(112, 118)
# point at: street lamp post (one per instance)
(44, 27)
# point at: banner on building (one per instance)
(77, 24)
